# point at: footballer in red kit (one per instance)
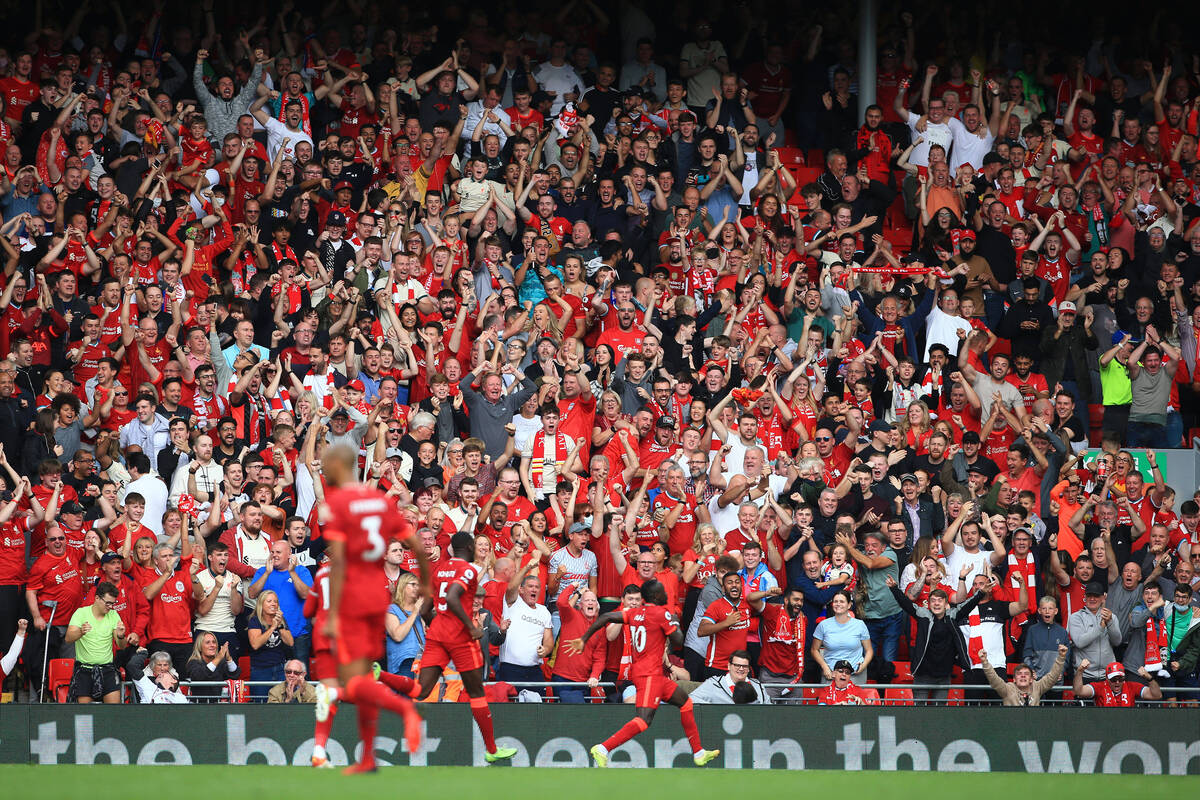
(647, 631)
(358, 523)
(454, 637)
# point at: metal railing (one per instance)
(893, 695)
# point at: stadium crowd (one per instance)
(629, 294)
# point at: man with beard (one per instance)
(783, 630)
(223, 108)
(726, 623)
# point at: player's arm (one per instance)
(454, 603)
(610, 618)
(336, 550)
(675, 638)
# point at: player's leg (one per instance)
(398, 683)
(369, 696)
(472, 680)
(646, 703)
(325, 670)
(687, 717)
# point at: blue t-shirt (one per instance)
(290, 603)
(842, 641)
(273, 652)
(410, 646)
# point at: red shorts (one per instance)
(465, 654)
(324, 665)
(653, 690)
(360, 635)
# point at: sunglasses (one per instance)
(823, 438)
(293, 672)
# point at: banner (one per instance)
(1037, 740)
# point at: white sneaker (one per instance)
(325, 698)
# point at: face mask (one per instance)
(1182, 608)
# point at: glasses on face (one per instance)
(293, 672)
(108, 602)
(121, 394)
(56, 538)
(823, 438)
(741, 667)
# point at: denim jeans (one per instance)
(569, 694)
(514, 673)
(1144, 434)
(885, 634)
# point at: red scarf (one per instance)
(975, 639)
(1158, 644)
(305, 125)
(286, 253)
(1029, 569)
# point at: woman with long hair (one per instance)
(916, 426)
(38, 444)
(270, 643)
(405, 628)
(210, 662)
(700, 564)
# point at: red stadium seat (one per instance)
(898, 696)
(244, 668)
(810, 696)
(903, 672)
(956, 697)
(1095, 423)
(58, 683)
(871, 695)
(815, 156)
(1068, 695)
(791, 157)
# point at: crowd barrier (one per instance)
(978, 739)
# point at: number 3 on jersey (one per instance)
(637, 637)
(374, 538)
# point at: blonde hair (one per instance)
(401, 584)
(196, 654)
(701, 528)
(261, 601)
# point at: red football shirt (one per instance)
(316, 607)
(171, 608)
(446, 627)
(365, 520)
(646, 630)
(57, 578)
(722, 643)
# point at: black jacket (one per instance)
(954, 617)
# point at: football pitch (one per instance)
(181, 783)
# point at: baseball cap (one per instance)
(976, 468)
(971, 437)
(992, 158)
(843, 664)
(1095, 588)
(393, 452)
(879, 426)
(1114, 669)
(337, 187)
(1118, 336)
(335, 218)
(666, 422)
(433, 480)
(356, 385)
(968, 233)
(908, 476)
(341, 412)
(1066, 307)
(72, 507)
(108, 558)
(912, 258)
(633, 91)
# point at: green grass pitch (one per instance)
(446, 783)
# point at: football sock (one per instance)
(688, 718)
(321, 735)
(483, 718)
(358, 692)
(400, 683)
(628, 731)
